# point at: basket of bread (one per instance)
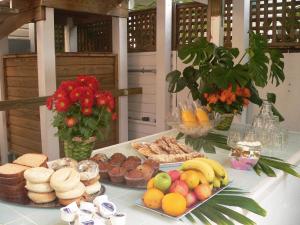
(32, 181)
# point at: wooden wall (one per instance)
(21, 82)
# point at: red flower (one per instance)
(68, 85)
(114, 116)
(81, 79)
(60, 93)
(111, 104)
(87, 102)
(76, 94)
(87, 111)
(88, 92)
(92, 83)
(246, 92)
(62, 104)
(49, 103)
(100, 98)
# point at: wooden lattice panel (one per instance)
(228, 24)
(191, 22)
(95, 37)
(59, 38)
(142, 31)
(278, 20)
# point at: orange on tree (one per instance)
(174, 204)
(153, 198)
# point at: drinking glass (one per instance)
(234, 136)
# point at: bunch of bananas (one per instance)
(211, 171)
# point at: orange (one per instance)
(150, 183)
(191, 178)
(174, 204)
(152, 198)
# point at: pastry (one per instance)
(130, 164)
(146, 170)
(175, 157)
(135, 178)
(116, 174)
(40, 198)
(154, 164)
(134, 158)
(100, 157)
(104, 167)
(32, 160)
(88, 170)
(118, 156)
(66, 202)
(75, 192)
(62, 163)
(64, 179)
(38, 188)
(38, 175)
(117, 161)
(94, 188)
(92, 181)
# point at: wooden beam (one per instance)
(117, 8)
(163, 61)
(3, 123)
(215, 22)
(47, 81)
(38, 101)
(120, 48)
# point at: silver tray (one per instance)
(140, 203)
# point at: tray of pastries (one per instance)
(126, 171)
(166, 150)
(31, 180)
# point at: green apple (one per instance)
(162, 181)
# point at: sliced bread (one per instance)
(31, 160)
(12, 170)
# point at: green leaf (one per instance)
(257, 169)
(190, 218)
(214, 215)
(271, 97)
(234, 215)
(240, 201)
(179, 135)
(201, 217)
(209, 148)
(267, 169)
(234, 51)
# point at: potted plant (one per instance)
(222, 84)
(83, 114)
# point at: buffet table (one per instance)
(279, 196)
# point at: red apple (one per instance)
(191, 199)
(174, 174)
(180, 187)
(203, 191)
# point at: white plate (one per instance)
(140, 203)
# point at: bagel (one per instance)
(38, 175)
(62, 163)
(65, 202)
(74, 193)
(92, 181)
(64, 179)
(88, 170)
(92, 189)
(40, 198)
(38, 188)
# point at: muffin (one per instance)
(135, 158)
(100, 157)
(146, 170)
(117, 159)
(104, 167)
(130, 164)
(153, 164)
(135, 178)
(116, 174)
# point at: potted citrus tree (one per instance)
(220, 83)
(83, 114)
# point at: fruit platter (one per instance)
(33, 181)
(125, 171)
(177, 192)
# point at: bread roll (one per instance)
(38, 188)
(66, 202)
(92, 181)
(38, 175)
(73, 193)
(94, 188)
(40, 198)
(64, 179)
